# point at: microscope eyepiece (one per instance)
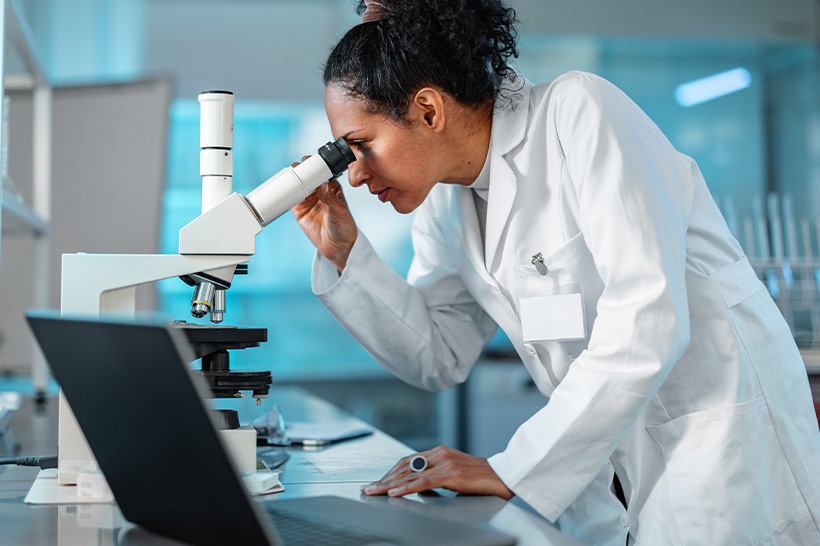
(337, 155)
(291, 185)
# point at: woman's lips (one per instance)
(381, 194)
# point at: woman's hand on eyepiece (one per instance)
(328, 223)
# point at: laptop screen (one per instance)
(143, 414)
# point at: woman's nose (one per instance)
(356, 173)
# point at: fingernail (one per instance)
(395, 492)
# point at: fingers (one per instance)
(389, 480)
(331, 194)
(409, 482)
(446, 468)
(401, 475)
(309, 205)
(327, 221)
(328, 196)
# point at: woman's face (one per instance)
(396, 162)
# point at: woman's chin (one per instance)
(403, 208)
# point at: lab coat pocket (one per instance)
(551, 293)
(566, 253)
(562, 266)
(724, 467)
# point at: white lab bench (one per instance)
(339, 469)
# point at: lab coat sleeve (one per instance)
(634, 193)
(428, 335)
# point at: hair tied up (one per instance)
(374, 11)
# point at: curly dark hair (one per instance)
(459, 46)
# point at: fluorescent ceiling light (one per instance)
(712, 87)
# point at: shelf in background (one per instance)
(19, 217)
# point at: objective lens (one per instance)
(202, 302)
(218, 311)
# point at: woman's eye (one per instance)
(358, 144)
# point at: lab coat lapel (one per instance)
(509, 127)
(499, 203)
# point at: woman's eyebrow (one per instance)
(347, 134)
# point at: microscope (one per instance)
(213, 248)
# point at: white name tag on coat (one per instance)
(552, 317)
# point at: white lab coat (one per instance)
(688, 383)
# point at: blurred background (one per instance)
(115, 166)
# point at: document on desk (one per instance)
(319, 434)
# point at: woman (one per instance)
(679, 410)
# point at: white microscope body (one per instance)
(211, 247)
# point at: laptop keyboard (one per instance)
(297, 530)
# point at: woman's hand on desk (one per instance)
(446, 468)
(326, 220)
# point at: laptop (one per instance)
(144, 415)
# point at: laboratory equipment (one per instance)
(249, 214)
(213, 248)
(785, 260)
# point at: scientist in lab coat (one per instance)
(679, 410)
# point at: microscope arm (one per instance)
(94, 283)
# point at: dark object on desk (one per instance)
(317, 434)
(226, 419)
(162, 482)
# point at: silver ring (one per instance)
(418, 463)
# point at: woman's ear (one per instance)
(429, 106)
